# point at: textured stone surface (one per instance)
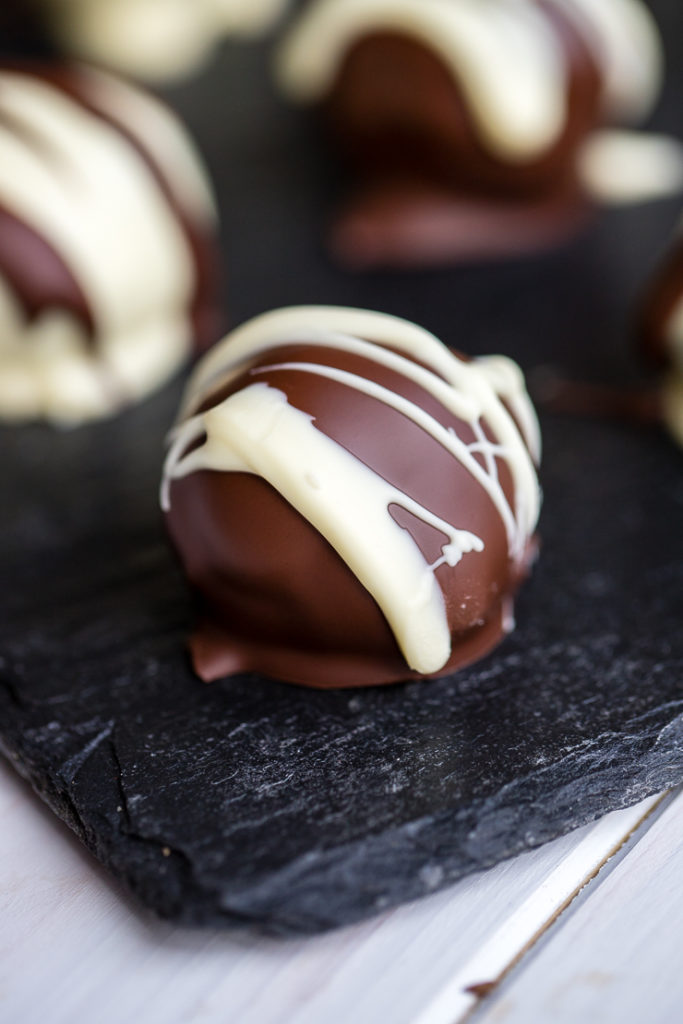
(251, 801)
(299, 809)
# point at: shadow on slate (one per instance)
(249, 801)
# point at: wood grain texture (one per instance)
(94, 956)
(617, 958)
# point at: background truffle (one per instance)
(106, 244)
(464, 121)
(353, 502)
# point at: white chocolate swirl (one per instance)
(256, 430)
(504, 54)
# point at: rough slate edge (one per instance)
(318, 893)
(343, 883)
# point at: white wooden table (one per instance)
(587, 928)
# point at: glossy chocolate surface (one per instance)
(398, 111)
(278, 598)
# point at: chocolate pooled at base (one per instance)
(464, 122)
(353, 503)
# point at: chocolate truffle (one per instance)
(662, 334)
(464, 120)
(107, 264)
(353, 502)
(154, 39)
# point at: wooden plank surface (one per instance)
(72, 945)
(617, 956)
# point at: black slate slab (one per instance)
(254, 802)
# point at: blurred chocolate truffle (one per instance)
(662, 333)
(353, 503)
(464, 120)
(107, 262)
(154, 39)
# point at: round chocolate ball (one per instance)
(464, 122)
(353, 503)
(107, 244)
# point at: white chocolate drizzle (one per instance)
(504, 54)
(76, 181)
(626, 43)
(255, 430)
(159, 132)
(156, 39)
(247, 17)
(624, 167)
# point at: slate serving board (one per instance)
(255, 802)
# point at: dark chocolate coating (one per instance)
(663, 296)
(277, 598)
(39, 275)
(398, 115)
(397, 110)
